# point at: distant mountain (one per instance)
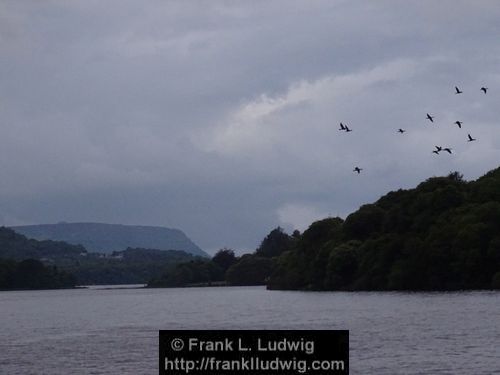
(22, 260)
(106, 238)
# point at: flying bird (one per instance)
(342, 127)
(470, 138)
(439, 148)
(357, 169)
(459, 123)
(430, 118)
(448, 150)
(484, 89)
(457, 90)
(401, 131)
(347, 129)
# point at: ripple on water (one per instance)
(110, 331)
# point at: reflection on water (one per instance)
(115, 331)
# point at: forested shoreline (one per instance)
(32, 274)
(442, 235)
(130, 266)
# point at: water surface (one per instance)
(115, 331)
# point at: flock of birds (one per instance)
(431, 119)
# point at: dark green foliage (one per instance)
(32, 274)
(224, 258)
(250, 270)
(18, 247)
(487, 190)
(442, 235)
(288, 272)
(196, 272)
(131, 266)
(364, 222)
(274, 244)
(225, 267)
(320, 231)
(495, 281)
(304, 265)
(342, 265)
(376, 257)
(199, 271)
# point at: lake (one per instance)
(115, 331)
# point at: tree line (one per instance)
(32, 274)
(130, 266)
(442, 235)
(226, 267)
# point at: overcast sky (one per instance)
(221, 118)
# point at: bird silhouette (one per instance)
(448, 150)
(484, 89)
(459, 123)
(401, 131)
(347, 129)
(457, 90)
(342, 127)
(357, 169)
(439, 148)
(430, 118)
(470, 138)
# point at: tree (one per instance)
(32, 274)
(342, 266)
(225, 258)
(320, 232)
(275, 243)
(364, 222)
(200, 271)
(250, 270)
(441, 235)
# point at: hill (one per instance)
(442, 235)
(131, 266)
(225, 268)
(16, 246)
(32, 274)
(106, 238)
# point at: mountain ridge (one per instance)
(106, 238)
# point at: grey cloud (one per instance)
(132, 112)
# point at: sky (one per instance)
(221, 118)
